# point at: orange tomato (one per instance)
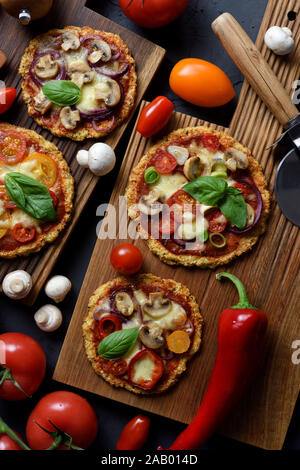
(201, 83)
(45, 170)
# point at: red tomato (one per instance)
(7, 203)
(7, 443)
(26, 362)
(54, 198)
(210, 142)
(23, 234)
(109, 324)
(155, 116)
(118, 367)
(153, 13)
(167, 224)
(126, 258)
(156, 373)
(215, 225)
(201, 83)
(7, 97)
(135, 434)
(70, 413)
(12, 147)
(243, 188)
(164, 162)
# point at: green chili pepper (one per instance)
(151, 175)
(217, 245)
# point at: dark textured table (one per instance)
(189, 36)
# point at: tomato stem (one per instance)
(5, 374)
(5, 429)
(59, 437)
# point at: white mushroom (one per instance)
(48, 318)
(189, 230)
(193, 168)
(40, 103)
(149, 205)
(180, 153)
(152, 336)
(157, 305)
(231, 164)
(46, 67)
(70, 41)
(250, 215)
(17, 284)
(279, 40)
(81, 78)
(101, 159)
(57, 288)
(69, 118)
(101, 51)
(124, 304)
(82, 158)
(108, 90)
(240, 158)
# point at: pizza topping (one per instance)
(157, 305)
(82, 78)
(23, 234)
(108, 324)
(194, 229)
(108, 90)
(12, 147)
(210, 142)
(145, 369)
(193, 168)
(69, 118)
(46, 68)
(118, 367)
(168, 185)
(70, 41)
(250, 215)
(180, 153)
(117, 344)
(149, 204)
(217, 240)
(41, 103)
(152, 336)
(41, 167)
(216, 221)
(101, 51)
(124, 303)
(17, 284)
(240, 158)
(164, 162)
(151, 176)
(178, 342)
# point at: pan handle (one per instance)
(254, 67)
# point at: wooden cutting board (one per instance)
(14, 38)
(270, 273)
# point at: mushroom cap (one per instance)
(48, 318)
(152, 336)
(193, 168)
(82, 158)
(58, 287)
(279, 40)
(101, 158)
(124, 304)
(157, 305)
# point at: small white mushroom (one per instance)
(82, 158)
(101, 159)
(70, 41)
(40, 103)
(149, 205)
(240, 158)
(108, 91)
(193, 168)
(180, 153)
(157, 305)
(279, 40)
(57, 288)
(48, 318)
(124, 304)
(152, 336)
(101, 51)
(46, 67)
(69, 118)
(17, 284)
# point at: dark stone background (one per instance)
(189, 36)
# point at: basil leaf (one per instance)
(206, 189)
(62, 92)
(151, 175)
(30, 195)
(233, 206)
(117, 344)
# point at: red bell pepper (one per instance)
(241, 332)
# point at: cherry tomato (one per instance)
(54, 198)
(7, 203)
(153, 13)
(26, 362)
(45, 170)
(155, 116)
(243, 188)
(167, 224)
(109, 324)
(23, 234)
(157, 372)
(7, 97)
(12, 147)
(210, 142)
(164, 162)
(215, 225)
(7, 443)
(70, 413)
(118, 367)
(126, 258)
(135, 434)
(201, 83)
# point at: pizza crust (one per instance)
(150, 279)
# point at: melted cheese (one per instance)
(132, 352)
(20, 217)
(75, 56)
(169, 184)
(175, 318)
(88, 101)
(143, 369)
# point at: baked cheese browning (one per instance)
(157, 308)
(178, 228)
(99, 63)
(24, 152)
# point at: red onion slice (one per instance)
(255, 190)
(110, 73)
(103, 129)
(55, 55)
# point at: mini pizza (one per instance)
(199, 198)
(140, 333)
(36, 191)
(101, 66)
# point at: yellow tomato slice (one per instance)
(45, 170)
(4, 223)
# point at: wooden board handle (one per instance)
(253, 66)
(2, 59)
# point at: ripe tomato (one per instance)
(7, 97)
(243, 188)
(126, 258)
(109, 324)
(7, 443)
(164, 162)
(118, 367)
(12, 147)
(45, 170)
(135, 434)
(167, 223)
(158, 369)
(216, 224)
(210, 142)
(153, 13)
(155, 116)
(25, 361)
(69, 412)
(201, 83)
(54, 198)
(23, 234)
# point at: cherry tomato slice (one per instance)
(210, 142)
(54, 198)
(109, 324)
(12, 147)
(157, 372)
(23, 234)
(167, 224)
(45, 170)
(135, 434)
(126, 258)
(164, 162)
(118, 367)
(7, 97)
(215, 225)
(155, 116)
(243, 188)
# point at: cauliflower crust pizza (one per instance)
(181, 190)
(166, 320)
(99, 63)
(39, 176)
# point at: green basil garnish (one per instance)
(30, 195)
(117, 344)
(214, 191)
(62, 92)
(151, 175)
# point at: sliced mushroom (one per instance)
(81, 78)
(241, 158)
(70, 41)
(157, 305)
(180, 153)
(69, 118)
(250, 215)
(80, 66)
(102, 51)
(46, 67)
(124, 304)
(193, 168)
(231, 164)
(152, 336)
(40, 103)
(108, 90)
(149, 204)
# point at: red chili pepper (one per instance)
(241, 333)
(135, 434)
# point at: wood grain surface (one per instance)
(270, 272)
(14, 38)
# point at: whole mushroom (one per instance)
(279, 40)
(48, 318)
(57, 288)
(17, 284)
(101, 159)
(82, 158)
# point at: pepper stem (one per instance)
(243, 299)
(5, 429)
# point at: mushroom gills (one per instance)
(108, 90)
(69, 118)
(46, 67)
(157, 305)
(70, 41)
(101, 51)
(193, 168)
(124, 304)
(152, 336)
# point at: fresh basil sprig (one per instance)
(30, 195)
(117, 344)
(213, 191)
(62, 92)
